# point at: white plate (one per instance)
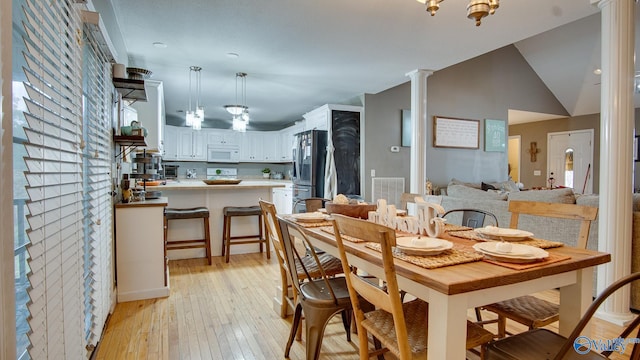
(506, 234)
(519, 253)
(432, 246)
(309, 217)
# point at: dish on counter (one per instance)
(518, 253)
(506, 234)
(421, 245)
(309, 217)
(222, 182)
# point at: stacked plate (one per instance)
(514, 253)
(420, 245)
(311, 217)
(504, 234)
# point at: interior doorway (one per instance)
(513, 149)
(570, 160)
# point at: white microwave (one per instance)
(223, 153)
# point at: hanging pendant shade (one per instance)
(195, 116)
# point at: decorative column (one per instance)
(418, 130)
(616, 149)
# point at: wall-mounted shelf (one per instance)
(131, 140)
(131, 89)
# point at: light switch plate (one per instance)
(537, 173)
(373, 172)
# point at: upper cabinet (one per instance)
(151, 114)
(287, 141)
(191, 145)
(222, 137)
(321, 118)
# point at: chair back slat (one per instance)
(586, 214)
(408, 198)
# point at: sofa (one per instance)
(495, 199)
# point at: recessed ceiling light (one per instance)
(597, 71)
(233, 55)
(159, 45)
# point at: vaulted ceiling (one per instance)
(301, 54)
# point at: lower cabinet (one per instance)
(141, 265)
(283, 199)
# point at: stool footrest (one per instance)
(187, 244)
(247, 242)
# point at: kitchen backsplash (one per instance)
(245, 170)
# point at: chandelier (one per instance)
(240, 111)
(194, 117)
(476, 9)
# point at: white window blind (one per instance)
(97, 155)
(54, 178)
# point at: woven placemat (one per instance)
(452, 227)
(539, 243)
(329, 229)
(445, 258)
(307, 224)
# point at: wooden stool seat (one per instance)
(228, 240)
(190, 213)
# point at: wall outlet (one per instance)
(373, 172)
(537, 173)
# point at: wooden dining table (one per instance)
(451, 290)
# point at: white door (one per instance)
(570, 160)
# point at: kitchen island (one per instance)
(193, 193)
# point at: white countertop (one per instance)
(200, 185)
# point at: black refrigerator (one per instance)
(309, 156)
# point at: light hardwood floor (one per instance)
(225, 311)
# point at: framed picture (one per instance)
(494, 135)
(406, 128)
(456, 133)
(636, 151)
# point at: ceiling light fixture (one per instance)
(195, 117)
(240, 110)
(476, 9)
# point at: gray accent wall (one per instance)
(485, 87)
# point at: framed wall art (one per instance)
(494, 135)
(456, 133)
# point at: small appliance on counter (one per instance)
(170, 172)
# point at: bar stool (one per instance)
(191, 213)
(228, 240)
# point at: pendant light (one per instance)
(240, 111)
(195, 116)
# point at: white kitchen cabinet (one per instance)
(287, 141)
(151, 114)
(223, 137)
(271, 146)
(190, 145)
(170, 149)
(283, 199)
(141, 265)
(251, 147)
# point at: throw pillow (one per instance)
(465, 192)
(455, 181)
(564, 196)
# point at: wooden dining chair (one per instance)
(408, 198)
(330, 264)
(545, 344)
(400, 327)
(311, 204)
(529, 310)
(319, 297)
